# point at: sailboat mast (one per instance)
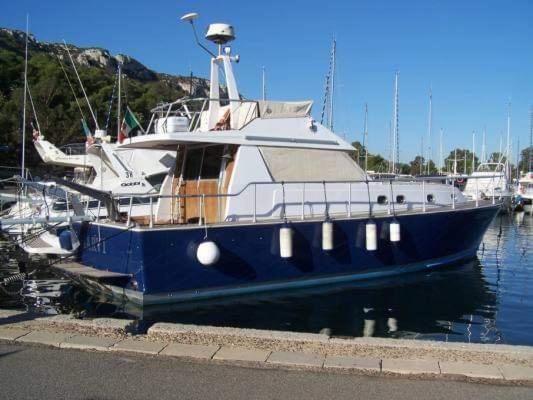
(429, 129)
(119, 68)
(483, 146)
(263, 84)
(530, 161)
(332, 92)
(440, 152)
(508, 150)
(473, 151)
(365, 137)
(396, 137)
(23, 158)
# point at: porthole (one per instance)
(400, 199)
(431, 198)
(382, 199)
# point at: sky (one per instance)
(475, 55)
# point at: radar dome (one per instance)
(220, 33)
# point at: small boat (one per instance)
(490, 181)
(524, 193)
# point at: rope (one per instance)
(71, 87)
(111, 100)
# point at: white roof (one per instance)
(299, 132)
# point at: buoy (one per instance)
(285, 241)
(394, 230)
(371, 236)
(327, 235)
(208, 253)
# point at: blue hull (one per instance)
(163, 264)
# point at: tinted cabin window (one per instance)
(431, 198)
(400, 199)
(211, 162)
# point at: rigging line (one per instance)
(111, 101)
(33, 108)
(71, 87)
(81, 84)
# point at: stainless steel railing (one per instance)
(392, 205)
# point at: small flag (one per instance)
(86, 129)
(89, 137)
(129, 123)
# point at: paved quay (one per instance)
(271, 350)
(39, 372)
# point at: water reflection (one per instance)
(484, 300)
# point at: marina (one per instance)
(204, 221)
(480, 301)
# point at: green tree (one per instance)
(463, 161)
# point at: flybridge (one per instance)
(233, 120)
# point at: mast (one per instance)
(429, 129)
(396, 135)
(23, 159)
(508, 150)
(391, 146)
(483, 146)
(501, 149)
(332, 92)
(530, 161)
(440, 152)
(365, 137)
(263, 84)
(455, 163)
(473, 151)
(119, 67)
(422, 154)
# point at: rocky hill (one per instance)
(55, 103)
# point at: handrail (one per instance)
(261, 183)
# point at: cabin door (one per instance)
(201, 176)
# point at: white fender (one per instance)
(208, 253)
(285, 242)
(327, 235)
(371, 236)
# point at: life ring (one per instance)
(460, 180)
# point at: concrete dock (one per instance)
(271, 350)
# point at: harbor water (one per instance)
(486, 300)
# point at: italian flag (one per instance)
(129, 123)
